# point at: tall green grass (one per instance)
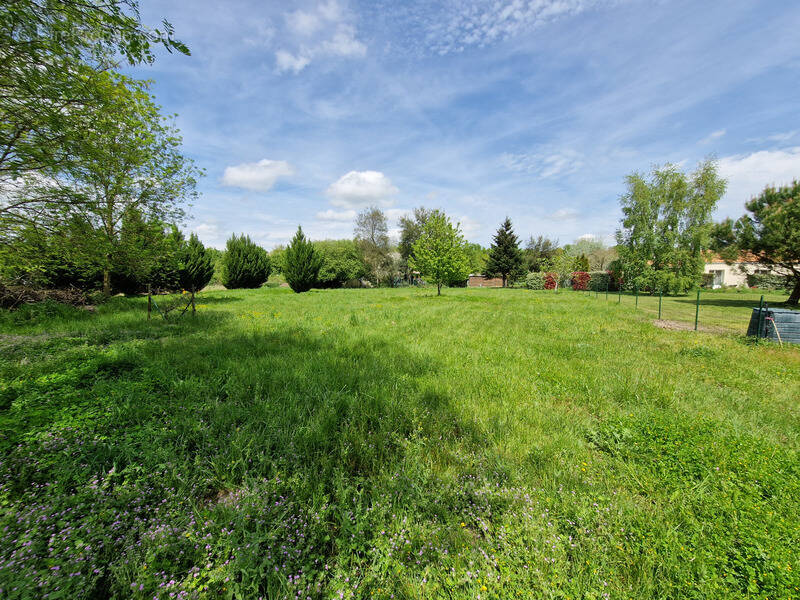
(389, 443)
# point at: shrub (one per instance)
(195, 265)
(246, 264)
(303, 262)
(580, 281)
(768, 281)
(342, 261)
(550, 281)
(534, 281)
(599, 281)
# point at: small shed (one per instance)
(775, 324)
(477, 280)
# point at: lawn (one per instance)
(394, 444)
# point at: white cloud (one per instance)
(714, 135)
(749, 174)
(469, 226)
(564, 214)
(775, 137)
(303, 23)
(544, 164)
(344, 43)
(286, 61)
(259, 176)
(322, 31)
(210, 234)
(357, 189)
(478, 23)
(336, 215)
(261, 34)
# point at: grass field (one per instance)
(392, 444)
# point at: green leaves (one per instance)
(772, 230)
(439, 253)
(667, 225)
(245, 265)
(303, 263)
(195, 265)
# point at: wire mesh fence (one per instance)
(719, 311)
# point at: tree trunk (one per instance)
(794, 298)
(503, 275)
(107, 277)
(439, 289)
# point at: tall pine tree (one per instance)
(303, 262)
(505, 257)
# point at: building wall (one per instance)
(481, 281)
(736, 274)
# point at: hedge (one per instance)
(534, 281)
(768, 281)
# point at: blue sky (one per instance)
(306, 112)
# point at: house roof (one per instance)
(743, 258)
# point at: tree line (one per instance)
(94, 186)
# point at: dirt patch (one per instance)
(686, 326)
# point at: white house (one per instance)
(735, 274)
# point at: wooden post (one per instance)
(697, 310)
(149, 302)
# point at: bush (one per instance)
(246, 264)
(534, 281)
(195, 265)
(341, 262)
(768, 281)
(580, 281)
(303, 262)
(599, 281)
(550, 281)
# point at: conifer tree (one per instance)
(303, 262)
(245, 265)
(195, 265)
(505, 257)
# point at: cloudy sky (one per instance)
(306, 112)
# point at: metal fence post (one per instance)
(660, 294)
(697, 310)
(619, 293)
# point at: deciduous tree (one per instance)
(439, 253)
(55, 57)
(666, 226)
(372, 235)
